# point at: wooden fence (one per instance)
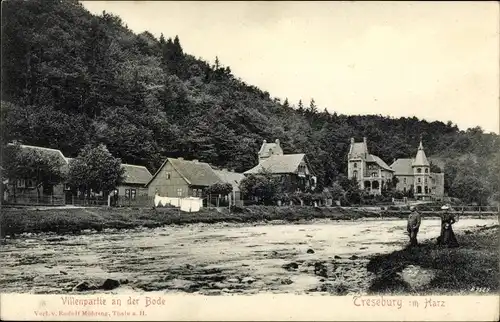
(138, 201)
(33, 200)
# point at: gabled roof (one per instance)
(233, 178)
(48, 152)
(136, 174)
(420, 159)
(287, 163)
(194, 172)
(402, 167)
(378, 161)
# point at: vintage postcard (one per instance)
(213, 160)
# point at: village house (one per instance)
(370, 171)
(24, 190)
(136, 177)
(179, 178)
(415, 175)
(294, 170)
(412, 174)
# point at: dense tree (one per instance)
(219, 190)
(71, 78)
(262, 186)
(95, 170)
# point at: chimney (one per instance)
(277, 142)
(265, 142)
(180, 158)
(352, 140)
(364, 139)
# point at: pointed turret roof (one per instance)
(420, 159)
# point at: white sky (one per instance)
(434, 60)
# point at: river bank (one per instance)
(16, 221)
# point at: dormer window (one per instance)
(426, 170)
(419, 170)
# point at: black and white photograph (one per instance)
(343, 149)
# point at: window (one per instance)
(418, 180)
(355, 165)
(426, 170)
(132, 194)
(374, 174)
(419, 189)
(425, 180)
(21, 183)
(30, 183)
(419, 170)
(426, 189)
(355, 174)
(404, 180)
(167, 175)
(127, 193)
(179, 192)
(196, 192)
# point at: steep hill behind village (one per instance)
(70, 78)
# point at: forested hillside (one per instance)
(71, 78)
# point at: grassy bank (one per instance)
(471, 268)
(66, 220)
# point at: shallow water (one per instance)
(211, 258)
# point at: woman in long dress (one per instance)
(447, 236)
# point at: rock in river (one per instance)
(110, 284)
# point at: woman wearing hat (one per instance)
(447, 236)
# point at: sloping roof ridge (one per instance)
(173, 166)
(134, 165)
(157, 171)
(44, 148)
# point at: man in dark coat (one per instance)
(414, 220)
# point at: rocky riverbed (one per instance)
(324, 257)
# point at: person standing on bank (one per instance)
(414, 220)
(447, 236)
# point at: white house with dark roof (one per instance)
(294, 170)
(415, 174)
(370, 171)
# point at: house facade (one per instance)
(25, 191)
(415, 174)
(370, 171)
(179, 178)
(136, 178)
(294, 170)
